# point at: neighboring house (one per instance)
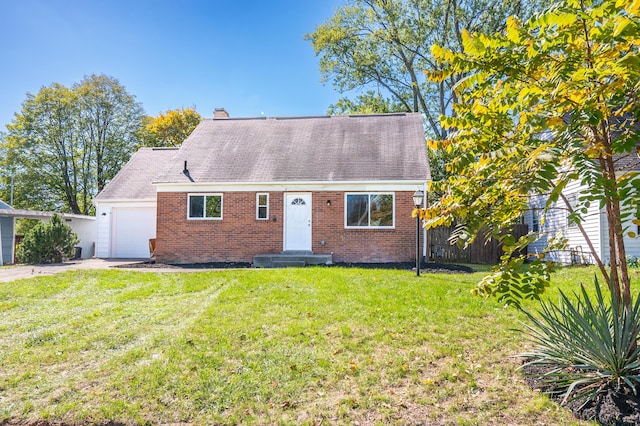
(126, 207)
(7, 225)
(83, 226)
(556, 224)
(237, 188)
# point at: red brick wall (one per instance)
(239, 235)
(363, 245)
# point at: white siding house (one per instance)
(126, 207)
(556, 225)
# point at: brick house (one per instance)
(340, 187)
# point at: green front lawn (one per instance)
(290, 346)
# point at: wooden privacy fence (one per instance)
(481, 251)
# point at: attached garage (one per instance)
(126, 207)
(132, 228)
(124, 229)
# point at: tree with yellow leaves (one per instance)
(169, 128)
(543, 104)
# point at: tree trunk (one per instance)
(619, 282)
(618, 235)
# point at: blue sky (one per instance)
(249, 56)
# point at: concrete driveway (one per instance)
(10, 273)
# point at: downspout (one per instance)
(13, 242)
(425, 234)
(1, 244)
(601, 234)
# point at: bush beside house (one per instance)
(47, 243)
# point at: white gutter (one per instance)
(402, 185)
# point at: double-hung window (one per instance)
(535, 220)
(262, 206)
(205, 206)
(369, 210)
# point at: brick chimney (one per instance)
(220, 113)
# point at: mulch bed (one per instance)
(609, 408)
(439, 268)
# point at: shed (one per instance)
(7, 226)
(83, 226)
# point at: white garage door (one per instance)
(132, 229)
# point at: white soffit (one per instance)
(289, 186)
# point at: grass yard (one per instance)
(284, 346)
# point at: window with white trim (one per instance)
(204, 206)
(369, 210)
(535, 220)
(262, 206)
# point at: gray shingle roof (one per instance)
(133, 182)
(38, 214)
(386, 147)
(629, 161)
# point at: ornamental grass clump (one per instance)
(587, 346)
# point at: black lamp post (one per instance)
(418, 198)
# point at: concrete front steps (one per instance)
(291, 258)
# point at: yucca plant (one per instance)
(588, 346)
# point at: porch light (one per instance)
(418, 198)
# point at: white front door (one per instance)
(297, 222)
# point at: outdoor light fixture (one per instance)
(418, 198)
(329, 203)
